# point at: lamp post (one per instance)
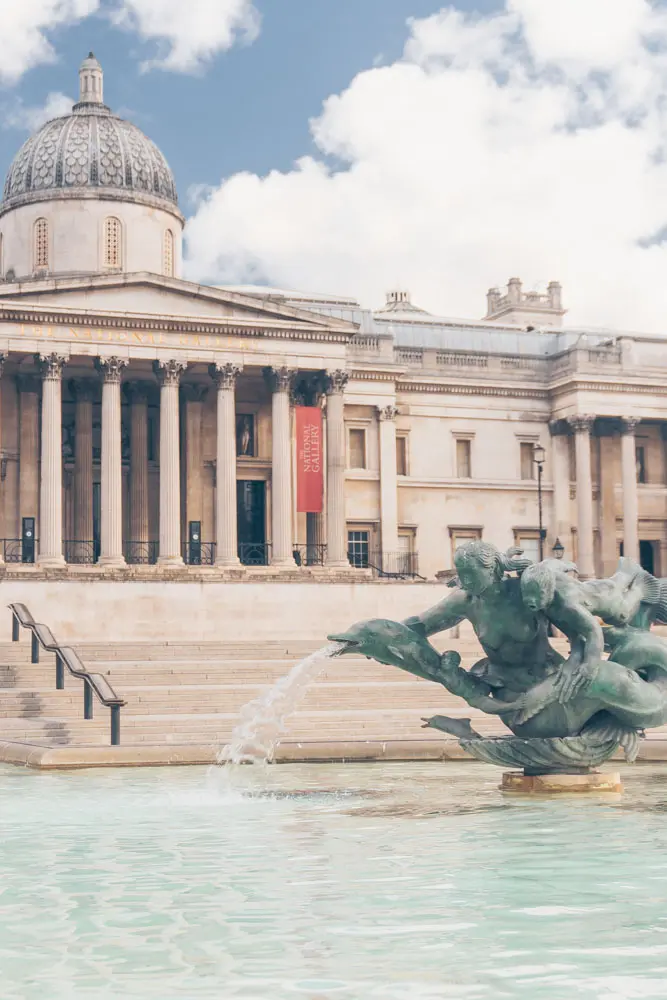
(558, 550)
(539, 455)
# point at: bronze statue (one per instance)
(567, 713)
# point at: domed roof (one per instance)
(91, 149)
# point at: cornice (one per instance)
(643, 389)
(34, 315)
(472, 389)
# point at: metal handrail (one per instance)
(41, 635)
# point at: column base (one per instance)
(167, 562)
(51, 562)
(112, 562)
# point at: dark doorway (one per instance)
(251, 513)
(646, 556)
(97, 509)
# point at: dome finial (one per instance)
(91, 81)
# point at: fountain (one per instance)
(566, 716)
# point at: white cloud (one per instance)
(31, 117)
(532, 141)
(23, 32)
(189, 33)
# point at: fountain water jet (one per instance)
(262, 720)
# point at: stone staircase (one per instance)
(181, 695)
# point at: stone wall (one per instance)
(163, 611)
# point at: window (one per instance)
(463, 465)
(41, 244)
(461, 536)
(357, 449)
(401, 456)
(168, 254)
(358, 548)
(527, 460)
(640, 455)
(405, 556)
(112, 242)
(529, 541)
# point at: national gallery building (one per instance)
(153, 426)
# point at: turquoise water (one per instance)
(400, 882)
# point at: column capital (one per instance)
(169, 372)
(224, 375)
(111, 368)
(280, 379)
(51, 366)
(27, 383)
(386, 412)
(336, 381)
(84, 390)
(628, 424)
(138, 392)
(581, 422)
(194, 392)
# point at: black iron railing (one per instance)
(254, 553)
(78, 552)
(140, 553)
(388, 565)
(15, 551)
(93, 684)
(199, 553)
(309, 555)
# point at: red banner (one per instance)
(309, 472)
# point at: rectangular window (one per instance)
(529, 541)
(640, 455)
(527, 460)
(463, 464)
(401, 456)
(461, 536)
(357, 449)
(358, 548)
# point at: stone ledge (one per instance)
(190, 574)
(291, 751)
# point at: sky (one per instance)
(354, 146)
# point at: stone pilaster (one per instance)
(560, 459)
(629, 479)
(51, 479)
(137, 396)
(336, 523)
(169, 375)
(28, 387)
(581, 425)
(84, 392)
(226, 528)
(388, 482)
(111, 496)
(280, 382)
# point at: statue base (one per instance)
(558, 784)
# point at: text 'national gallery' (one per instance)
(150, 425)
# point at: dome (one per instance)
(90, 152)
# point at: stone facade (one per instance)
(147, 422)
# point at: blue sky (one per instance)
(249, 107)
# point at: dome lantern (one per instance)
(91, 82)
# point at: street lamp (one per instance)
(558, 549)
(539, 455)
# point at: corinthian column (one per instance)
(388, 485)
(169, 375)
(28, 387)
(111, 495)
(280, 382)
(336, 540)
(226, 537)
(51, 481)
(629, 479)
(560, 463)
(137, 395)
(84, 391)
(581, 424)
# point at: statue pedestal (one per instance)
(557, 784)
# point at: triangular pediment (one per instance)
(153, 295)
